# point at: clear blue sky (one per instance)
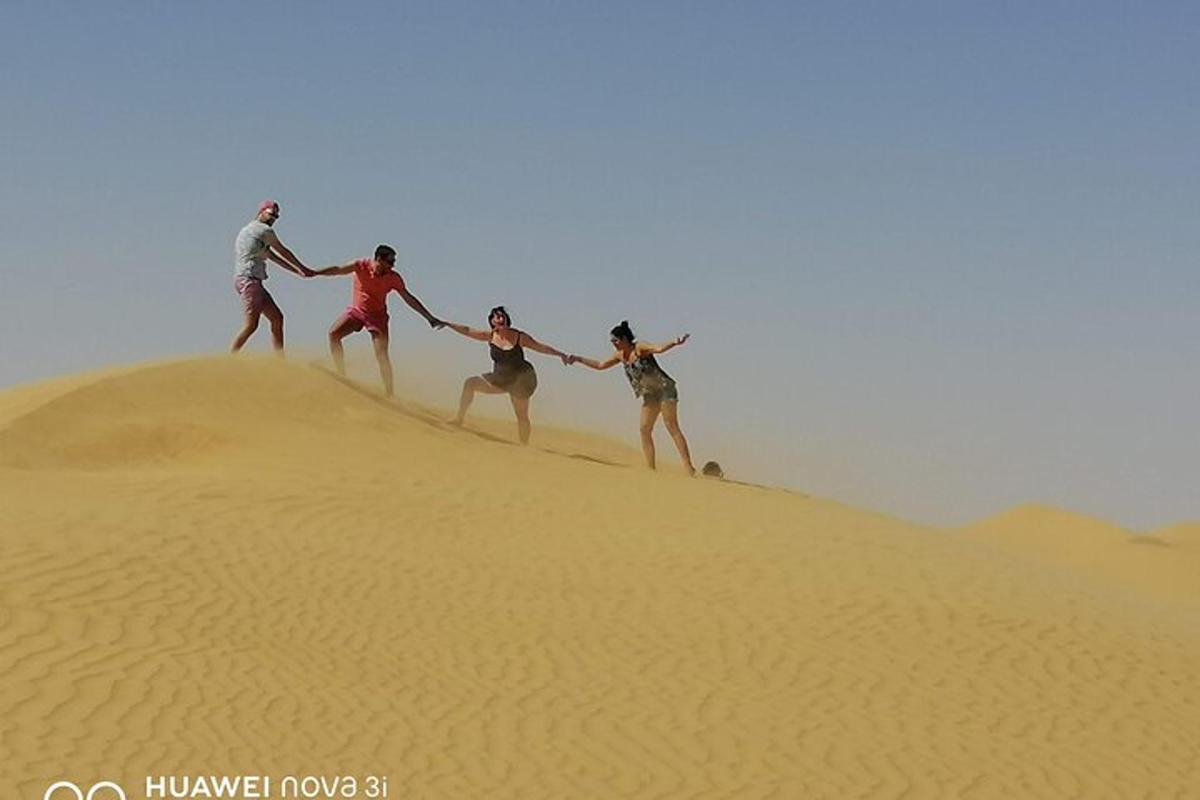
(937, 258)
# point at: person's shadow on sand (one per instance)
(712, 469)
(422, 415)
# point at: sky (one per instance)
(936, 258)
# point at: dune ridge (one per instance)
(1183, 534)
(1156, 563)
(244, 566)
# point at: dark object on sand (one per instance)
(712, 470)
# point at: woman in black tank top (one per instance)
(651, 383)
(510, 374)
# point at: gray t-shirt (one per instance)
(250, 250)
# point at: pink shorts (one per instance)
(255, 297)
(374, 323)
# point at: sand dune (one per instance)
(1088, 548)
(240, 566)
(1184, 535)
(1052, 529)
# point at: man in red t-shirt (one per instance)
(373, 279)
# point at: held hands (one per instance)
(436, 323)
(305, 272)
(571, 359)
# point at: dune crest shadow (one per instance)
(410, 410)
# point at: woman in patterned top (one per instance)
(650, 382)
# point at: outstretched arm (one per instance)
(657, 349)
(533, 344)
(471, 333)
(343, 269)
(285, 257)
(303, 272)
(596, 363)
(419, 307)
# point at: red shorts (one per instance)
(374, 323)
(255, 297)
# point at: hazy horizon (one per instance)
(936, 261)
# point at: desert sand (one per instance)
(249, 567)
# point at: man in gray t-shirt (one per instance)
(256, 244)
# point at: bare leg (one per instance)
(274, 316)
(249, 326)
(470, 387)
(342, 327)
(670, 414)
(649, 417)
(380, 342)
(521, 407)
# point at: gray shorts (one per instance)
(665, 394)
